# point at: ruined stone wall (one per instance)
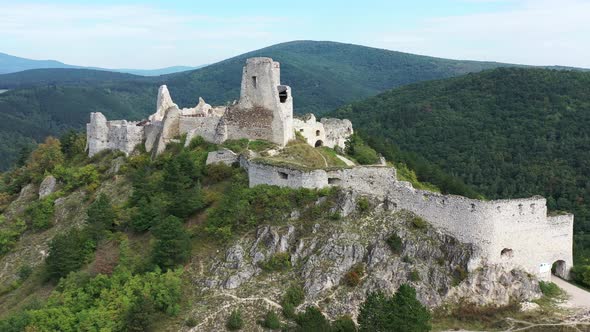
(205, 127)
(311, 130)
(112, 135)
(328, 132)
(515, 232)
(252, 123)
(337, 131)
(285, 177)
(371, 180)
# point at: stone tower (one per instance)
(262, 90)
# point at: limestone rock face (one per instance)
(47, 186)
(496, 285)
(323, 253)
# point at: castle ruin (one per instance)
(264, 111)
(513, 233)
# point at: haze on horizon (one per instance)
(155, 34)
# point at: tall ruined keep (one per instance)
(264, 111)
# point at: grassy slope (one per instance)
(506, 132)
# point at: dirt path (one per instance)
(578, 297)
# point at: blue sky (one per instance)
(151, 34)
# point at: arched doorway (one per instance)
(319, 143)
(559, 269)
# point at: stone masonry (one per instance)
(511, 233)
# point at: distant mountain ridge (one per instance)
(13, 64)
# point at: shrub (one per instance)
(356, 148)
(141, 315)
(335, 216)
(395, 243)
(68, 252)
(400, 312)
(44, 158)
(76, 177)
(312, 320)
(190, 322)
(419, 223)
(353, 277)
(235, 322)
(408, 259)
(101, 217)
(581, 274)
(459, 274)
(73, 143)
(271, 321)
(343, 324)
(40, 214)
(24, 272)
(293, 297)
(277, 262)
(10, 235)
(147, 214)
(362, 204)
(549, 289)
(414, 276)
(218, 172)
(172, 246)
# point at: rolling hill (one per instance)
(324, 75)
(508, 132)
(13, 64)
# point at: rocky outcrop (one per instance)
(164, 102)
(496, 285)
(47, 186)
(323, 253)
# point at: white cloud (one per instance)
(126, 35)
(541, 32)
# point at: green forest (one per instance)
(505, 133)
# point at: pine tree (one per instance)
(172, 245)
(101, 217)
